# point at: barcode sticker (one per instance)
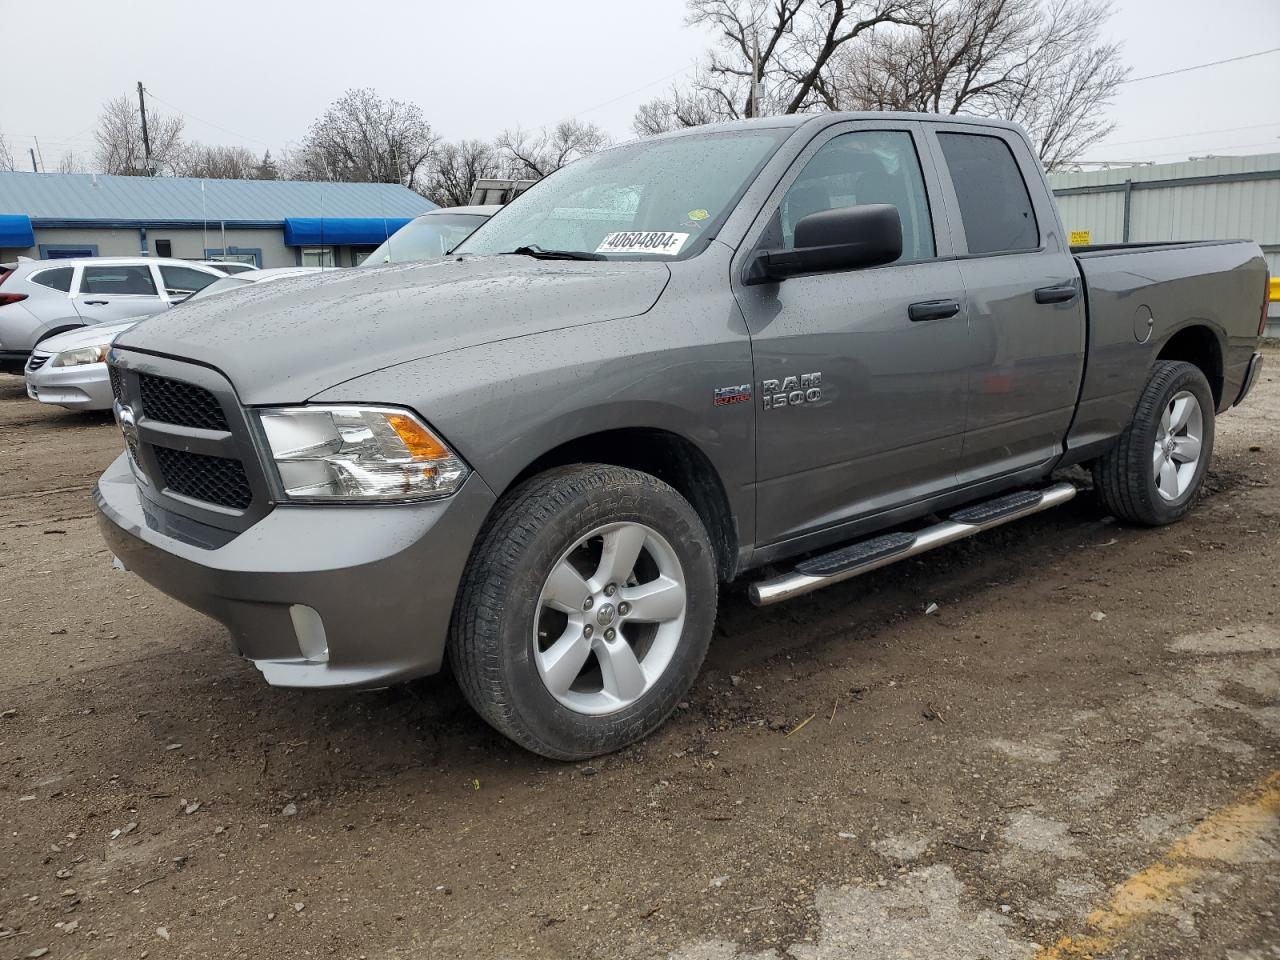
(647, 241)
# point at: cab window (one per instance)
(855, 169)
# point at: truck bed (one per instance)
(1138, 297)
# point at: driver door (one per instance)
(861, 375)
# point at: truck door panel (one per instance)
(859, 407)
(1026, 304)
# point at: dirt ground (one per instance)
(1075, 755)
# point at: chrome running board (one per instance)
(863, 556)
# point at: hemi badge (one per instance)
(727, 395)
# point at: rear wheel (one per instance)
(1153, 475)
(586, 610)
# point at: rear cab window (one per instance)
(119, 280)
(995, 205)
(56, 279)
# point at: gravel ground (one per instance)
(850, 777)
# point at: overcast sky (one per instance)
(257, 74)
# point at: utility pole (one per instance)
(32, 151)
(755, 74)
(146, 140)
(40, 153)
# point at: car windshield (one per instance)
(425, 238)
(661, 199)
(225, 283)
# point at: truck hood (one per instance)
(284, 342)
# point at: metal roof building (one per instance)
(266, 222)
(1217, 198)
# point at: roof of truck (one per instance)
(826, 118)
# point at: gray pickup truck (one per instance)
(791, 349)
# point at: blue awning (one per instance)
(344, 231)
(15, 231)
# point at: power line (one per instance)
(1202, 66)
(208, 123)
(1195, 133)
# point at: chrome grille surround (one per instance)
(206, 466)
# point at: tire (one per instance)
(536, 589)
(1133, 479)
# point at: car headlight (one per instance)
(80, 356)
(359, 454)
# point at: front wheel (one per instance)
(1154, 473)
(585, 612)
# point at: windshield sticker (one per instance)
(699, 214)
(644, 241)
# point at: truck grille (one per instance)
(216, 480)
(190, 440)
(181, 404)
(35, 361)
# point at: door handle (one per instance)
(933, 310)
(96, 303)
(1062, 294)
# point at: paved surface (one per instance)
(1012, 777)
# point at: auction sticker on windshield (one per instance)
(645, 241)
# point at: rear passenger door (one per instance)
(1026, 306)
(117, 292)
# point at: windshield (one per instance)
(225, 283)
(662, 199)
(429, 236)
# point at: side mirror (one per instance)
(843, 239)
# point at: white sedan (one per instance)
(70, 370)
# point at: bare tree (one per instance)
(675, 111)
(119, 139)
(534, 155)
(6, 155)
(71, 162)
(454, 169)
(363, 138)
(787, 45)
(215, 162)
(1039, 62)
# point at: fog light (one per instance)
(309, 629)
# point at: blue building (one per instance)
(269, 223)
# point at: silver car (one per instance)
(42, 298)
(70, 370)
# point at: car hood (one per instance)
(89, 336)
(285, 341)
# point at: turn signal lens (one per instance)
(418, 440)
(349, 453)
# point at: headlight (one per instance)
(359, 453)
(81, 356)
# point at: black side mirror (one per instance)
(843, 239)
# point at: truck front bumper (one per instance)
(314, 595)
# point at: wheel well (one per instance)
(57, 330)
(1198, 346)
(673, 460)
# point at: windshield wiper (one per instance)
(533, 250)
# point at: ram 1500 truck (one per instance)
(790, 349)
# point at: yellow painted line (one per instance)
(1229, 835)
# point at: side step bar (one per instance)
(858, 558)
